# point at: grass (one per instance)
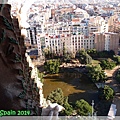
(95, 62)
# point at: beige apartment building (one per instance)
(73, 43)
(112, 22)
(98, 24)
(79, 42)
(66, 40)
(106, 41)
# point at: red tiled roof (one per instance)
(75, 20)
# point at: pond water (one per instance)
(74, 88)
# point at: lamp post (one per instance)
(92, 107)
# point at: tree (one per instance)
(102, 76)
(100, 54)
(117, 76)
(68, 108)
(106, 93)
(83, 57)
(56, 96)
(92, 52)
(107, 64)
(117, 59)
(96, 74)
(83, 108)
(46, 52)
(40, 75)
(52, 66)
(106, 54)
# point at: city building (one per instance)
(106, 41)
(54, 28)
(98, 24)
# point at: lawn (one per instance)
(95, 62)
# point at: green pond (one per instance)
(74, 87)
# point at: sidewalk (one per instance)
(116, 86)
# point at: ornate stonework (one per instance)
(17, 90)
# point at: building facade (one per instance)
(107, 41)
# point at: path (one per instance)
(116, 86)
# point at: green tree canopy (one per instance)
(56, 96)
(40, 75)
(117, 59)
(117, 76)
(107, 64)
(68, 108)
(106, 93)
(83, 108)
(100, 54)
(96, 74)
(52, 66)
(92, 52)
(83, 57)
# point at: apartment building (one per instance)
(117, 10)
(58, 29)
(79, 42)
(49, 42)
(106, 41)
(80, 26)
(54, 43)
(111, 22)
(40, 44)
(98, 24)
(80, 13)
(66, 42)
(74, 42)
(32, 32)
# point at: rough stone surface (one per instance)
(17, 90)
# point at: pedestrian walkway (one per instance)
(116, 86)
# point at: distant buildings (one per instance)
(98, 24)
(72, 28)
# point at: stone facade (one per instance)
(17, 90)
